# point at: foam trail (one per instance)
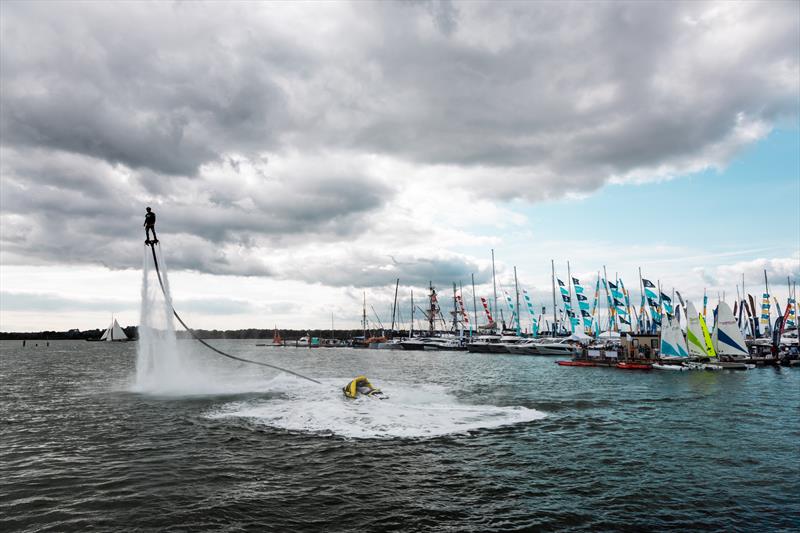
(412, 411)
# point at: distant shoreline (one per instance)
(132, 333)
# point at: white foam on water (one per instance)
(410, 411)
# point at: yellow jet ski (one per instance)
(360, 386)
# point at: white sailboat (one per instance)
(695, 336)
(727, 338)
(114, 333)
(672, 342)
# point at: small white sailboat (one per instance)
(698, 341)
(672, 342)
(695, 334)
(728, 341)
(114, 333)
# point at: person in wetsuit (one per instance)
(150, 224)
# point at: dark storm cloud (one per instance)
(146, 86)
(107, 107)
(575, 86)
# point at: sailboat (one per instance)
(727, 339)
(698, 341)
(672, 342)
(673, 345)
(114, 333)
(276, 338)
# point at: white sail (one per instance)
(666, 347)
(114, 333)
(680, 340)
(672, 342)
(727, 338)
(694, 332)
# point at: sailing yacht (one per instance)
(114, 333)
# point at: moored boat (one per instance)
(663, 366)
(576, 363)
(629, 365)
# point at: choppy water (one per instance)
(466, 442)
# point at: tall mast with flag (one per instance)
(553, 279)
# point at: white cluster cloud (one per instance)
(346, 152)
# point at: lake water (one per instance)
(465, 442)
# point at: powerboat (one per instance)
(360, 387)
(483, 344)
(556, 347)
(524, 347)
(442, 343)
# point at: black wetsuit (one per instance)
(150, 224)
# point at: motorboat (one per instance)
(495, 344)
(664, 366)
(524, 347)
(483, 344)
(629, 365)
(442, 343)
(561, 347)
(360, 387)
(414, 344)
(332, 343)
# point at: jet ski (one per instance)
(361, 387)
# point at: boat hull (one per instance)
(634, 366)
(576, 363)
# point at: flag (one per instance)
(665, 297)
(560, 283)
(648, 284)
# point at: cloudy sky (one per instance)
(298, 154)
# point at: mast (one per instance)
(494, 283)
(432, 309)
(553, 280)
(612, 326)
(474, 305)
(573, 302)
(364, 315)
(411, 330)
(455, 309)
(644, 299)
(331, 326)
(516, 287)
(394, 305)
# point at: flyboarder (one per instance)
(150, 224)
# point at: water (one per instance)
(466, 442)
